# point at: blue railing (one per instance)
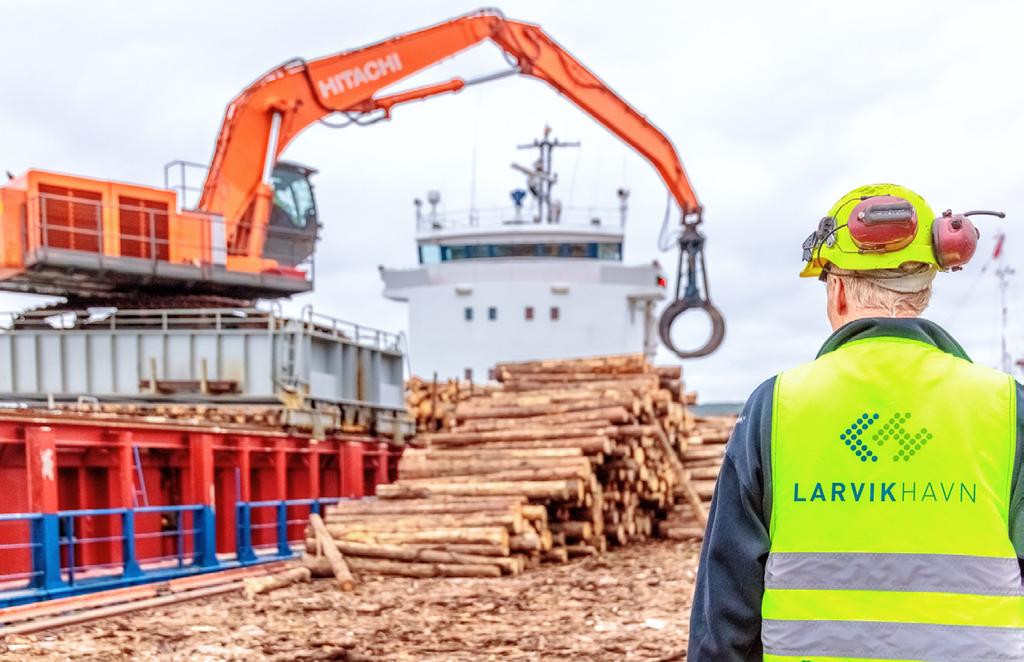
(57, 543)
(250, 551)
(18, 581)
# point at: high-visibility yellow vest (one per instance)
(891, 467)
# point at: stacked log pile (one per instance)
(562, 459)
(439, 536)
(703, 452)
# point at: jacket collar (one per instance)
(911, 328)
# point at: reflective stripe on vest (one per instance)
(890, 641)
(852, 571)
(891, 467)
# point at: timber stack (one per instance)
(562, 459)
(703, 453)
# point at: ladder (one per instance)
(139, 495)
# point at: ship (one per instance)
(531, 280)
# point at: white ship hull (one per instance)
(522, 309)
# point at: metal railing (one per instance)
(171, 527)
(178, 173)
(213, 319)
(594, 218)
(80, 227)
(20, 580)
(57, 544)
(326, 326)
(252, 546)
(158, 319)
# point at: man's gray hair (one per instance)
(907, 289)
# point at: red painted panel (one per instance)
(94, 467)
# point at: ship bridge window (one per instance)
(609, 251)
(602, 251)
(578, 250)
(430, 254)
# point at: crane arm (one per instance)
(262, 120)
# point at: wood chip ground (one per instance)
(632, 603)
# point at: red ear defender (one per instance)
(955, 239)
(882, 223)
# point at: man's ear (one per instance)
(838, 294)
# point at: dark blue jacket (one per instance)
(725, 623)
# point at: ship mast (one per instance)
(1003, 273)
(541, 178)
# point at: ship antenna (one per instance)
(544, 174)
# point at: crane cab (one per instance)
(294, 224)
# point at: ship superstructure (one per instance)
(531, 281)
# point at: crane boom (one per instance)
(262, 120)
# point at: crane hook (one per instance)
(691, 248)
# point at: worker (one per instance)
(871, 502)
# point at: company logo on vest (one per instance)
(904, 443)
(870, 437)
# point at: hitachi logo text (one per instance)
(352, 78)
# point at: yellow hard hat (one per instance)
(879, 226)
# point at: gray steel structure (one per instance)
(123, 355)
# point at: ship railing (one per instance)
(596, 218)
(326, 326)
(157, 319)
(215, 319)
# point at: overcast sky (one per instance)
(777, 109)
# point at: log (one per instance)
(669, 371)
(509, 565)
(580, 550)
(681, 532)
(325, 544)
(475, 536)
(574, 529)
(423, 570)
(518, 433)
(340, 525)
(534, 513)
(611, 363)
(526, 542)
(693, 498)
(587, 445)
(437, 504)
(531, 474)
(465, 548)
(631, 382)
(563, 490)
(254, 586)
(460, 466)
(635, 430)
(698, 473)
(466, 411)
(556, 555)
(603, 415)
(318, 566)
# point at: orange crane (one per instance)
(254, 229)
